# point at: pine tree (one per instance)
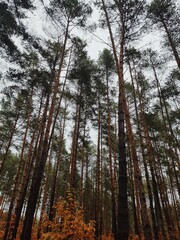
(78, 14)
(165, 14)
(129, 15)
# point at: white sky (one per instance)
(37, 25)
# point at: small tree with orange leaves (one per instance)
(68, 222)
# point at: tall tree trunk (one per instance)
(28, 167)
(151, 162)
(138, 178)
(171, 146)
(87, 191)
(98, 171)
(164, 105)
(171, 43)
(45, 194)
(135, 199)
(75, 146)
(19, 169)
(115, 154)
(123, 224)
(113, 201)
(154, 222)
(42, 155)
(163, 192)
(58, 164)
(82, 162)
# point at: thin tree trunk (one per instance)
(19, 169)
(151, 163)
(25, 180)
(115, 154)
(113, 202)
(123, 225)
(42, 156)
(82, 163)
(135, 200)
(87, 191)
(75, 147)
(44, 199)
(58, 164)
(171, 43)
(171, 224)
(138, 179)
(163, 103)
(154, 222)
(97, 188)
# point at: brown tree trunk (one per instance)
(28, 167)
(75, 147)
(154, 222)
(171, 43)
(113, 202)
(135, 199)
(82, 163)
(19, 169)
(98, 171)
(123, 225)
(138, 179)
(44, 198)
(58, 164)
(151, 163)
(172, 146)
(171, 225)
(42, 156)
(87, 191)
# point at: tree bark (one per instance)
(154, 222)
(171, 43)
(19, 169)
(123, 223)
(42, 156)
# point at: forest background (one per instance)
(89, 123)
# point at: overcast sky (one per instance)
(38, 25)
